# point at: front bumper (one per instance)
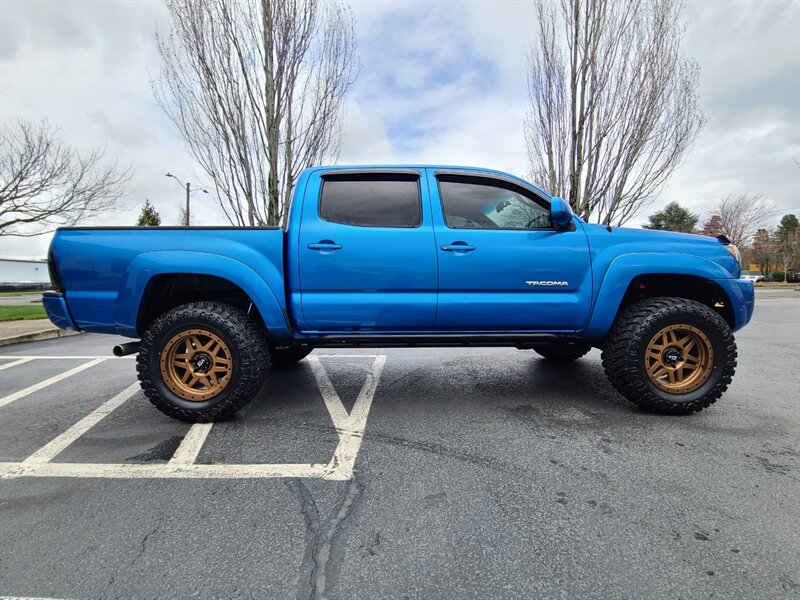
(56, 308)
(743, 299)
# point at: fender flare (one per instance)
(622, 271)
(258, 285)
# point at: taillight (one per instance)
(55, 278)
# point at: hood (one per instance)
(622, 240)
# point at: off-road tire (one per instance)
(242, 336)
(562, 352)
(288, 355)
(624, 354)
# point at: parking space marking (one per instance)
(28, 598)
(146, 471)
(352, 435)
(349, 427)
(21, 361)
(48, 382)
(62, 357)
(191, 445)
(53, 448)
(334, 405)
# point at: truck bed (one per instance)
(104, 270)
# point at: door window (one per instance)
(371, 200)
(475, 203)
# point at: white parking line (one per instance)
(28, 598)
(49, 451)
(334, 405)
(47, 382)
(315, 355)
(191, 445)
(70, 357)
(346, 452)
(140, 471)
(21, 361)
(349, 427)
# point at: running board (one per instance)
(517, 340)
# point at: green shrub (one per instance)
(779, 276)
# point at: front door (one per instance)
(502, 265)
(366, 252)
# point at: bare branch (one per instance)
(613, 105)
(738, 217)
(45, 184)
(255, 89)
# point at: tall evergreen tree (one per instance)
(149, 217)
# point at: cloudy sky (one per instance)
(441, 82)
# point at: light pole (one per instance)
(189, 192)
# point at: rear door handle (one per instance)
(458, 247)
(325, 246)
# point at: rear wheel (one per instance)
(202, 362)
(562, 352)
(670, 355)
(282, 356)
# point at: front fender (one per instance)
(145, 266)
(625, 268)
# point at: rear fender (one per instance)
(264, 288)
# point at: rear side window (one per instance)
(371, 200)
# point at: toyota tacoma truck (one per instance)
(405, 256)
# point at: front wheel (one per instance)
(670, 355)
(202, 362)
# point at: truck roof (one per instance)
(417, 166)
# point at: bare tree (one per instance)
(613, 104)
(255, 89)
(738, 217)
(45, 183)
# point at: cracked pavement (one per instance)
(483, 473)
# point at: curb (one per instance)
(35, 336)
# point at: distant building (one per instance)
(21, 273)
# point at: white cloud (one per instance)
(441, 83)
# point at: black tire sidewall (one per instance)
(246, 343)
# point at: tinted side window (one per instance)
(474, 203)
(371, 200)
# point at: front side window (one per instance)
(371, 200)
(475, 203)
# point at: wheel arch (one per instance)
(634, 277)
(155, 282)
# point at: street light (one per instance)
(189, 192)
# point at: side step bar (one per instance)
(518, 340)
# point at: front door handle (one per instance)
(326, 246)
(458, 247)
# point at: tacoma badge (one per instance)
(547, 283)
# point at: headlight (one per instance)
(735, 253)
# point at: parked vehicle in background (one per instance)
(406, 256)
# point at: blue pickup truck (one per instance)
(405, 256)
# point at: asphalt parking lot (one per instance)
(402, 473)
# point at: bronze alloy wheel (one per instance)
(196, 364)
(679, 359)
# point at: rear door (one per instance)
(502, 265)
(366, 253)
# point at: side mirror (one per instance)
(560, 212)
